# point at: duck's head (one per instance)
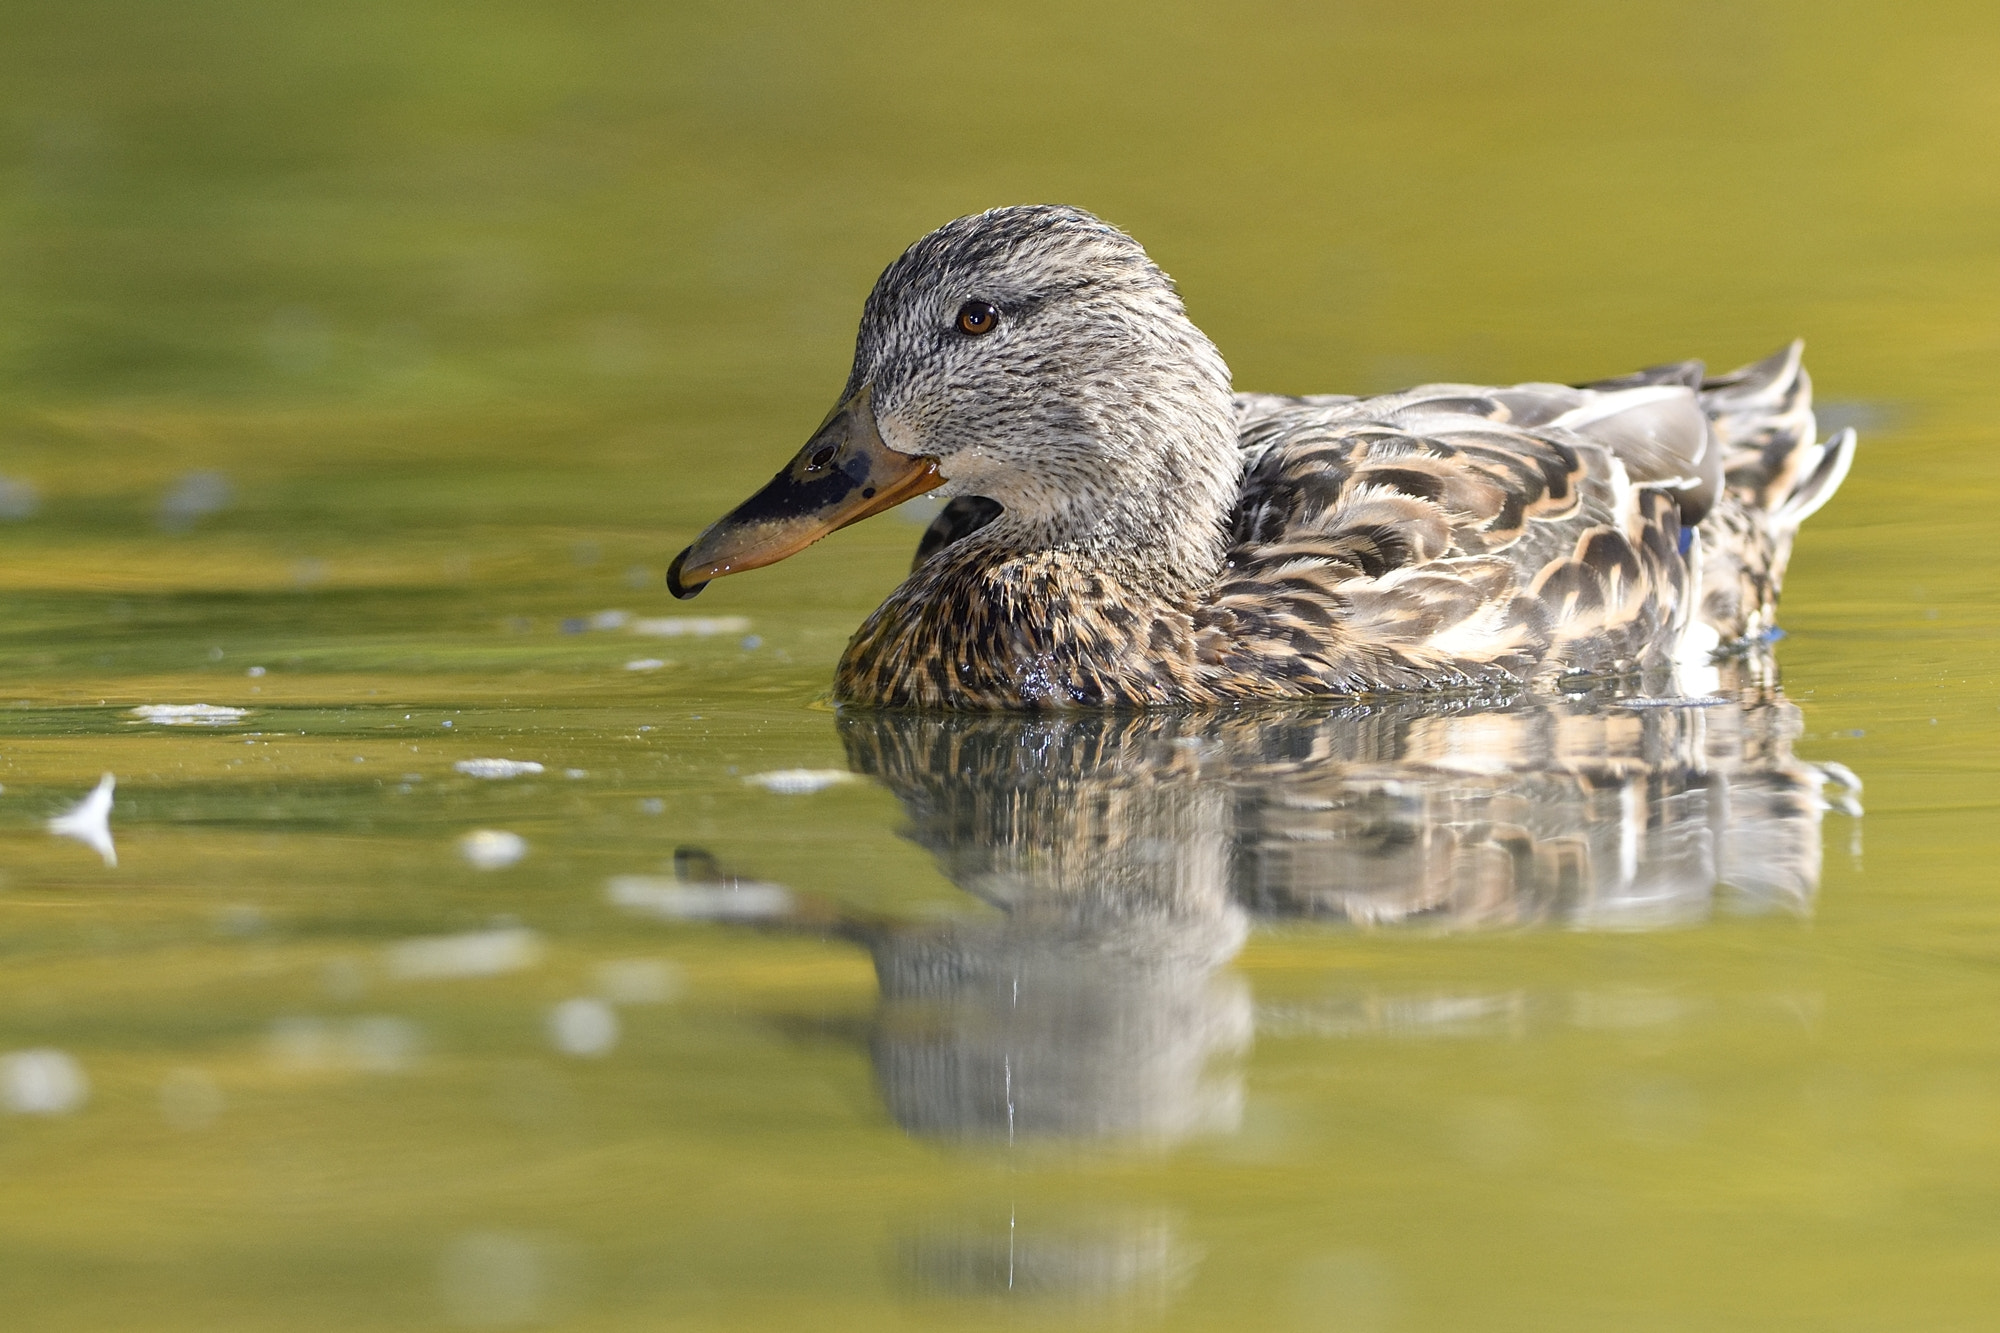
(1032, 355)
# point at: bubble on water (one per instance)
(496, 768)
(637, 980)
(699, 627)
(193, 715)
(676, 900)
(190, 1099)
(799, 781)
(610, 619)
(583, 1027)
(492, 848)
(18, 499)
(254, 671)
(477, 953)
(375, 1044)
(42, 1081)
(192, 498)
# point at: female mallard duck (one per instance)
(1129, 532)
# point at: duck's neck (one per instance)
(1076, 596)
(1150, 508)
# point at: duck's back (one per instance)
(1453, 534)
(1444, 536)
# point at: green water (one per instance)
(356, 360)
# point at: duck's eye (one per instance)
(976, 318)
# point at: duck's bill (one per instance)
(843, 475)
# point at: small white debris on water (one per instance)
(583, 1027)
(611, 620)
(700, 627)
(637, 981)
(374, 1044)
(192, 715)
(658, 895)
(18, 499)
(89, 820)
(644, 664)
(492, 848)
(42, 1081)
(254, 671)
(574, 773)
(476, 953)
(799, 781)
(194, 497)
(496, 768)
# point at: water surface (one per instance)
(361, 369)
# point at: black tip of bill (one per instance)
(674, 584)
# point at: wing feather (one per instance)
(1428, 538)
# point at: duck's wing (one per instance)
(1453, 535)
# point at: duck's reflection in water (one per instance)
(1136, 1259)
(1127, 857)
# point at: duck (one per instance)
(1123, 529)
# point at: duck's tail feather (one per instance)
(1763, 415)
(1688, 374)
(1836, 457)
(1777, 473)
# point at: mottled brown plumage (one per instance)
(1420, 540)
(1129, 532)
